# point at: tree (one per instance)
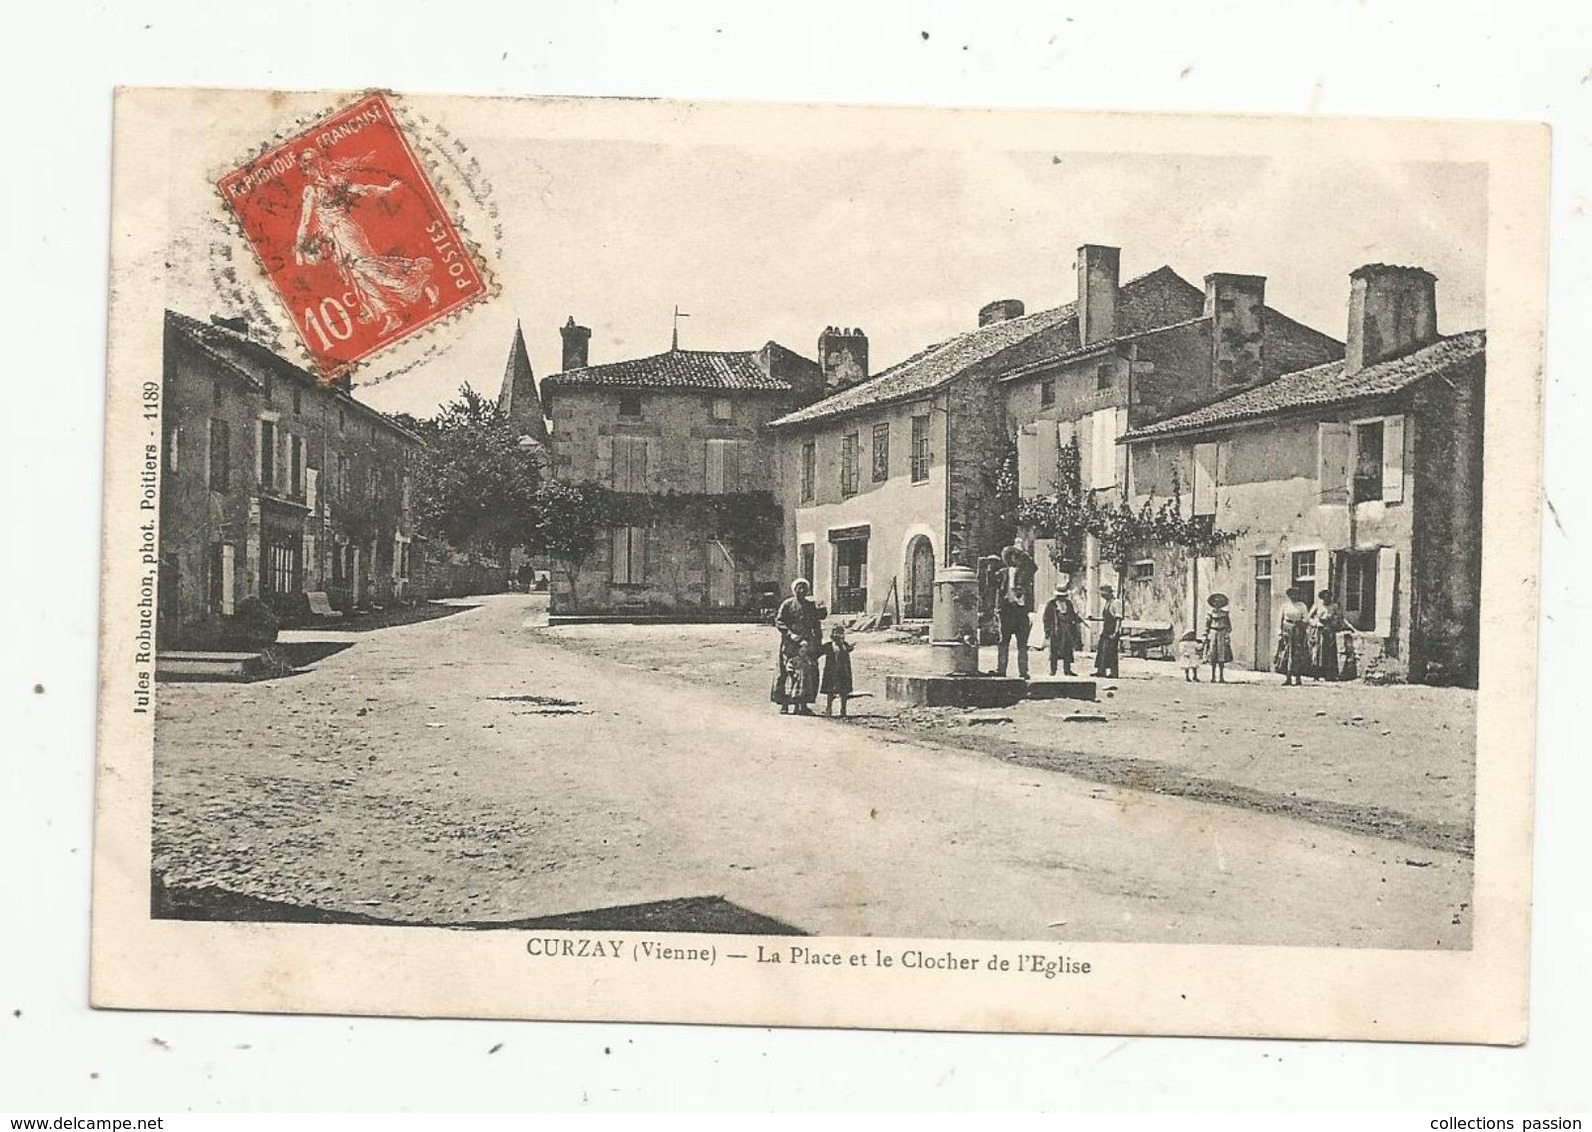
(478, 486)
(570, 519)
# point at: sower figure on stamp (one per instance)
(326, 224)
(1063, 630)
(1015, 606)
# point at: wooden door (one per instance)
(1263, 613)
(721, 576)
(919, 603)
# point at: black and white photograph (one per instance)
(834, 547)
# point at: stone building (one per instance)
(1361, 476)
(274, 484)
(682, 425)
(1123, 372)
(890, 476)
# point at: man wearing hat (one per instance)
(1063, 629)
(1014, 605)
(1110, 631)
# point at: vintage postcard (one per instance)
(821, 566)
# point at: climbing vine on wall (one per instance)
(1122, 531)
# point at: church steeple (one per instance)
(519, 400)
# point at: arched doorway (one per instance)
(918, 593)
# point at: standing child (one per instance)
(1218, 637)
(1188, 655)
(837, 671)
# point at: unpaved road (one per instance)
(408, 777)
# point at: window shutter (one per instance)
(1205, 456)
(619, 560)
(229, 575)
(699, 466)
(650, 455)
(638, 554)
(1387, 569)
(1333, 448)
(605, 461)
(1119, 458)
(732, 466)
(1045, 451)
(1393, 459)
(1027, 460)
(715, 467)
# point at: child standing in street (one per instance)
(1189, 654)
(837, 671)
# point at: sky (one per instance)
(769, 241)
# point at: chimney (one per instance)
(1098, 268)
(1392, 310)
(843, 354)
(999, 311)
(1236, 306)
(577, 344)
(238, 323)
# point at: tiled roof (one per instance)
(676, 369)
(931, 368)
(1324, 385)
(248, 359)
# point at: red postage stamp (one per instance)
(352, 234)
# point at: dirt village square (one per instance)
(484, 768)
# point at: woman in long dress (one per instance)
(1326, 622)
(380, 283)
(800, 625)
(1293, 646)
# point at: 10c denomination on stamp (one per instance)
(352, 234)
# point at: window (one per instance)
(220, 455)
(1142, 571)
(630, 405)
(342, 420)
(1361, 462)
(1103, 376)
(881, 452)
(1262, 567)
(848, 464)
(267, 455)
(295, 466)
(216, 394)
(298, 400)
(266, 382)
(173, 443)
(1304, 574)
(284, 555)
(629, 566)
(920, 449)
(808, 561)
(1047, 394)
(1359, 589)
(851, 576)
(809, 474)
(627, 462)
(723, 409)
(1367, 461)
